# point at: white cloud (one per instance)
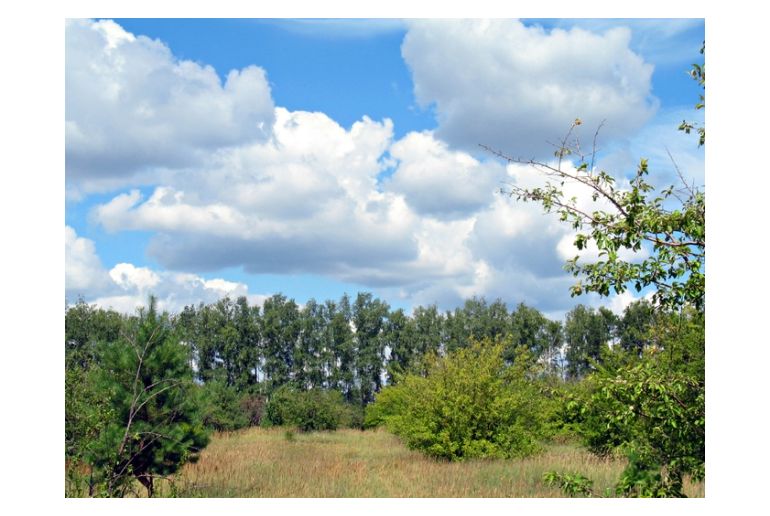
(515, 88)
(620, 302)
(129, 277)
(126, 287)
(306, 200)
(437, 181)
(305, 196)
(669, 42)
(131, 106)
(83, 269)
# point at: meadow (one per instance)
(259, 462)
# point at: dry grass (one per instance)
(349, 463)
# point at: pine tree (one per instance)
(155, 428)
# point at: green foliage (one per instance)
(573, 484)
(669, 223)
(369, 320)
(341, 342)
(86, 414)
(221, 407)
(587, 332)
(280, 327)
(470, 404)
(391, 401)
(635, 326)
(154, 424)
(531, 329)
(651, 409)
(84, 327)
(308, 410)
(648, 400)
(698, 73)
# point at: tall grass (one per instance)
(350, 463)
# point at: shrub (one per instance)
(308, 410)
(572, 484)
(390, 401)
(651, 409)
(469, 405)
(221, 407)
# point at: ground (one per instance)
(349, 463)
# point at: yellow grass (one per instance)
(349, 463)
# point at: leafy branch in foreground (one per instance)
(627, 219)
(651, 407)
(573, 484)
(698, 73)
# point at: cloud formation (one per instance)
(515, 88)
(274, 191)
(83, 270)
(439, 182)
(125, 287)
(132, 107)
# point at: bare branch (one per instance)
(593, 149)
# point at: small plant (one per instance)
(289, 436)
(574, 485)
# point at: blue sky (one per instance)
(250, 157)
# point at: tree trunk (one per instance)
(146, 481)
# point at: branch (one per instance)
(593, 150)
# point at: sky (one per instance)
(234, 157)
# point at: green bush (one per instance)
(307, 410)
(390, 401)
(221, 407)
(470, 404)
(651, 409)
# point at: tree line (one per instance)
(355, 346)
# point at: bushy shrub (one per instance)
(390, 401)
(651, 409)
(307, 410)
(221, 407)
(470, 404)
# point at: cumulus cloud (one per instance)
(675, 42)
(83, 269)
(131, 106)
(440, 182)
(417, 218)
(173, 290)
(515, 88)
(308, 201)
(125, 287)
(304, 201)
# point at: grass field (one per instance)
(349, 463)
